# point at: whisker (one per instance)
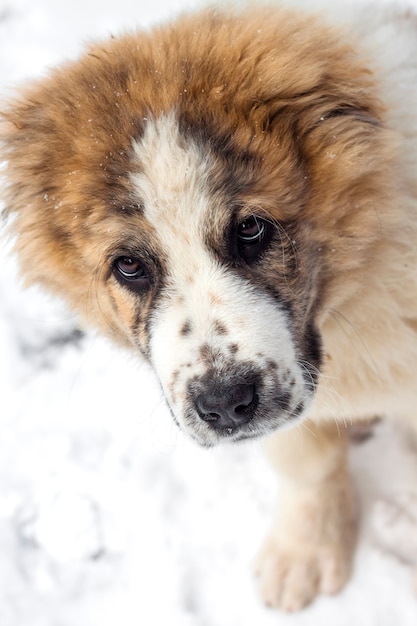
(328, 389)
(93, 296)
(339, 318)
(284, 237)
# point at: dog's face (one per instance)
(222, 322)
(181, 190)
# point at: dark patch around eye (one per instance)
(132, 274)
(252, 238)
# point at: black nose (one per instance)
(228, 406)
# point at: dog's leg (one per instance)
(309, 550)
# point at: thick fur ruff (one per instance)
(233, 195)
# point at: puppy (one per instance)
(233, 196)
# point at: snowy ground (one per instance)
(108, 516)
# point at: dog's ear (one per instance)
(308, 113)
(352, 112)
(42, 192)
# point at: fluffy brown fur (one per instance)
(300, 127)
(292, 110)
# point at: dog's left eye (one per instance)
(251, 230)
(251, 237)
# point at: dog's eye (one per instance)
(131, 272)
(250, 231)
(251, 237)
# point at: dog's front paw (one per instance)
(291, 576)
(310, 548)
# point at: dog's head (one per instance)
(197, 192)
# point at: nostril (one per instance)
(243, 397)
(211, 417)
(205, 404)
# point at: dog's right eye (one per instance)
(131, 273)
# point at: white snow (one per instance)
(108, 515)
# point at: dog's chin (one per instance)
(208, 437)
